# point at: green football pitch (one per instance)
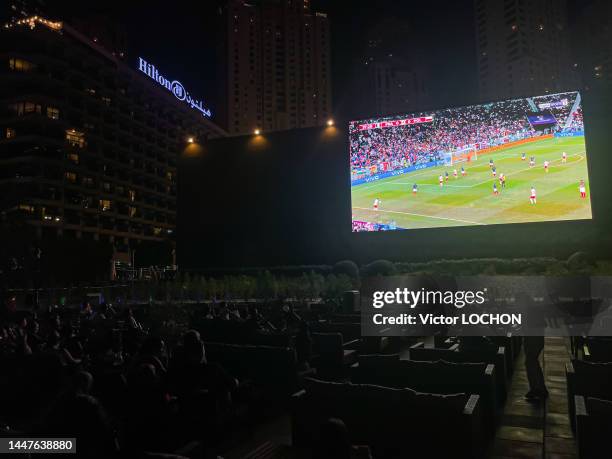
(470, 200)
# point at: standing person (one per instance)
(532, 197)
(534, 315)
(582, 189)
(415, 189)
(537, 387)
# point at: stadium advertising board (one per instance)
(515, 161)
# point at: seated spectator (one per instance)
(107, 310)
(82, 381)
(148, 412)
(54, 347)
(253, 322)
(130, 320)
(334, 442)
(191, 372)
(153, 351)
(34, 339)
(87, 311)
(82, 417)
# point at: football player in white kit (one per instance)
(532, 198)
(376, 204)
(546, 166)
(564, 157)
(441, 180)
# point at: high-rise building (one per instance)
(522, 48)
(275, 65)
(89, 143)
(394, 78)
(592, 37)
(395, 86)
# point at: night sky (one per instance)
(178, 37)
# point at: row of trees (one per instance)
(313, 282)
(264, 285)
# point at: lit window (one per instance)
(132, 211)
(20, 65)
(21, 108)
(106, 186)
(27, 208)
(10, 133)
(73, 157)
(156, 231)
(53, 113)
(106, 100)
(132, 195)
(70, 176)
(88, 181)
(105, 205)
(31, 107)
(75, 138)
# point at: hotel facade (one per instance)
(89, 143)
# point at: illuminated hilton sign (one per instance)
(174, 86)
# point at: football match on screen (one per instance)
(514, 161)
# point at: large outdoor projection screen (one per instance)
(515, 161)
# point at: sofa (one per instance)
(394, 422)
(593, 427)
(587, 379)
(495, 356)
(438, 377)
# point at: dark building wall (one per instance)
(264, 200)
(284, 198)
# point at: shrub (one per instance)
(578, 261)
(379, 268)
(348, 268)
